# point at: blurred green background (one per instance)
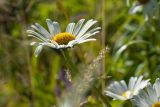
(27, 81)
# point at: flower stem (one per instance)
(102, 97)
(68, 61)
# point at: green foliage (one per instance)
(27, 81)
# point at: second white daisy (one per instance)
(150, 97)
(120, 90)
(150, 8)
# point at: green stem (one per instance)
(103, 33)
(68, 61)
(128, 103)
(102, 97)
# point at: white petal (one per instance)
(86, 27)
(135, 9)
(87, 35)
(41, 30)
(132, 82)
(115, 96)
(38, 50)
(140, 86)
(37, 35)
(144, 96)
(56, 27)
(62, 46)
(49, 44)
(50, 27)
(78, 26)
(91, 32)
(152, 93)
(124, 85)
(139, 102)
(72, 43)
(94, 30)
(138, 81)
(136, 102)
(118, 88)
(33, 43)
(36, 38)
(55, 43)
(156, 87)
(70, 28)
(86, 40)
(114, 89)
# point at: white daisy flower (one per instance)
(149, 7)
(74, 34)
(120, 90)
(149, 97)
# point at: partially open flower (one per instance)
(150, 8)
(74, 34)
(120, 90)
(150, 97)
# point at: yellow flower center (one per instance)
(156, 104)
(143, 1)
(127, 94)
(63, 38)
